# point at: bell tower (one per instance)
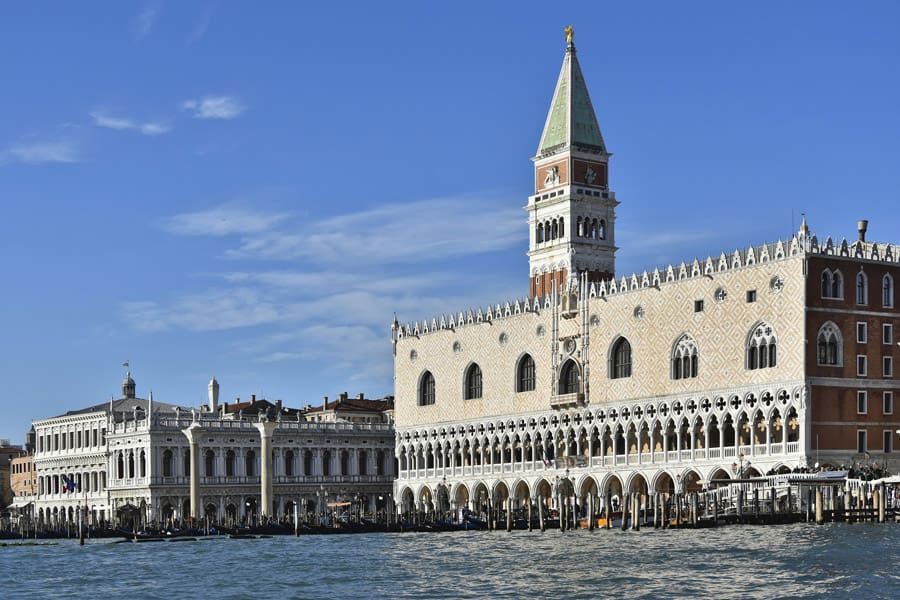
(572, 214)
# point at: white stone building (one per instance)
(137, 459)
(655, 382)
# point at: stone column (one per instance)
(193, 434)
(266, 429)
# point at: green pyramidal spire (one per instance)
(571, 120)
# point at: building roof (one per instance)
(571, 120)
(345, 404)
(125, 405)
(261, 405)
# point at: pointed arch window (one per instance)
(887, 291)
(620, 361)
(829, 345)
(569, 378)
(473, 382)
(862, 288)
(826, 284)
(762, 347)
(426, 389)
(837, 285)
(684, 358)
(525, 379)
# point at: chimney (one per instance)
(862, 225)
(252, 398)
(361, 396)
(278, 404)
(213, 390)
(343, 396)
(325, 403)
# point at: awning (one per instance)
(338, 504)
(21, 502)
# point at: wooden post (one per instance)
(756, 503)
(820, 515)
(715, 499)
(530, 526)
(809, 498)
(625, 500)
(540, 508)
(790, 503)
(772, 505)
(562, 513)
(607, 508)
(636, 513)
(664, 509)
(879, 502)
(591, 512)
(740, 505)
(678, 510)
(655, 511)
(847, 506)
(296, 522)
(695, 509)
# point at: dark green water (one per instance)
(796, 561)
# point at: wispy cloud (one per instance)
(213, 310)
(35, 153)
(315, 312)
(143, 23)
(202, 25)
(223, 220)
(395, 233)
(151, 128)
(214, 107)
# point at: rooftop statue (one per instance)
(570, 33)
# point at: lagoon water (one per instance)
(790, 561)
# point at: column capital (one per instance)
(193, 433)
(266, 428)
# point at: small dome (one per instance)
(128, 386)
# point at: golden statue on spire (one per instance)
(570, 33)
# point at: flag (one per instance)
(68, 484)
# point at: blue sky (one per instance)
(252, 190)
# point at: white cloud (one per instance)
(395, 233)
(126, 124)
(202, 25)
(222, 220)
(213, 310)
(338, 315)
(44, 152)
(144, 22)
(214, 107)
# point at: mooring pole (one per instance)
(820, 515)
(608, 510)
(591, 512)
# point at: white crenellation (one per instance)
(769, 252)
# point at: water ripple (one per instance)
(795, 561)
